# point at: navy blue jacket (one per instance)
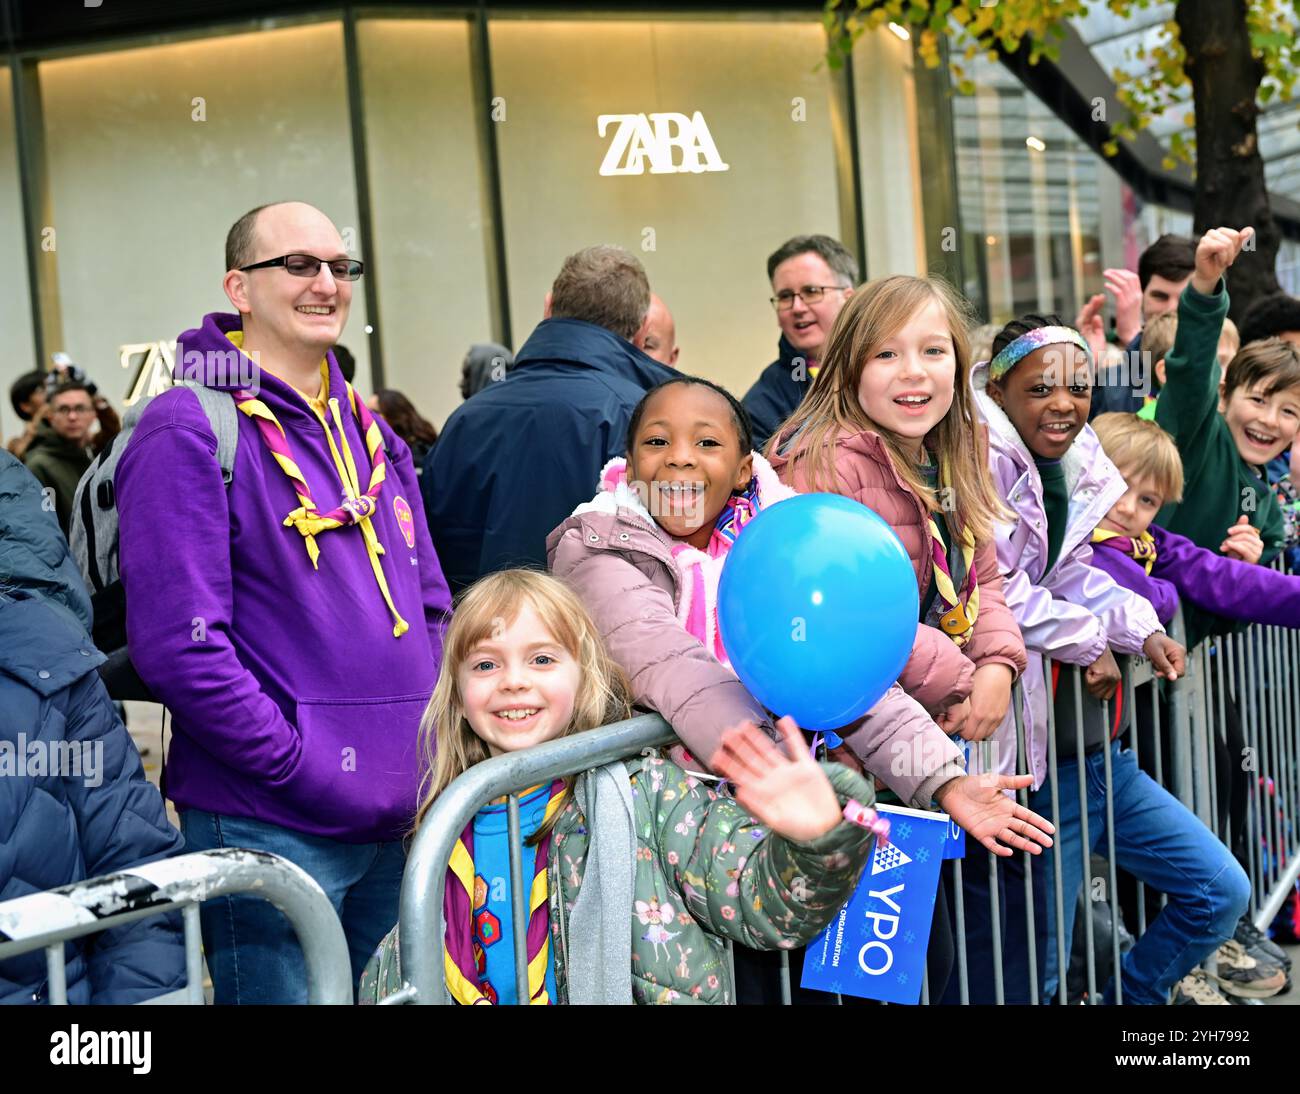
(776, 393)
(516, 459)
(34, 553)
(1113, 391)
(94, 818)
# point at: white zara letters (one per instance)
(658, 138)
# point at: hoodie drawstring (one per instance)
(357, 507)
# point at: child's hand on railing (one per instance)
(1102, 677)
(978, 804)
(1167, 657)
(990, 698)
(790, 794)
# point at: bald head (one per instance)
(657, 337)
(290, 317)
(282, 217)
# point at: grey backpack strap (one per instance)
(219, 406)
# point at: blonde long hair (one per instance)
(871, 315)
(449, 746)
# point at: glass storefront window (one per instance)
(703, 237)
(1030, 209)
(888, 155)
(432, 234)
(15, 303)
(153, 153)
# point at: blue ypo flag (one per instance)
(875, 948)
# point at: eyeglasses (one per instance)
(67, 411)
(343, 269)
(810, 294)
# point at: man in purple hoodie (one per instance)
(291, 619)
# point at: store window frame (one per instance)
(35, 183)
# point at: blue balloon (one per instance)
(818, 609)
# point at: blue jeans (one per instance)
(252, 952)
(1160, 842)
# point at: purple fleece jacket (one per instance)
(1225, 586)
(293, 702)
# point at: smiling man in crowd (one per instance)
(812, 277)
(291, 618)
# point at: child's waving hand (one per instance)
(1217, 250)
(789, 794)
(978, 804)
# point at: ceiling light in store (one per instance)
(990, 240)
(1036, 144)
(901, 31)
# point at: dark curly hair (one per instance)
(1270, 317)
(739, 416)
(1023, 325)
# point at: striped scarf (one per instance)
(357, 508)
(1141, 549)
(701, 571)
(960, 611)
(463, 961)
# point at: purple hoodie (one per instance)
(293, 702)
(1226, 586)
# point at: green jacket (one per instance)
(725, 877)
(1218, 485)
(57, 463)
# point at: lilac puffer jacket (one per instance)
(1075, 610)
(619, 561)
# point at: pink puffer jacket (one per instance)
(619, 561)
(939, 673)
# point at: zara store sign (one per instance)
(669, 142)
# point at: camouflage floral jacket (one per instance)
(706, 873)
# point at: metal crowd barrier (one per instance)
(1258, 668)
(1258, 671)
(48, 920)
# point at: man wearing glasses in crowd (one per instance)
(291, 618)
(812, 276)
(59, 452)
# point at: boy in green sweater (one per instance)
(1226, 428)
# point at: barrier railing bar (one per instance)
(1022, 796)
(1112, 891)
(1062, 992)
(47, 920)
(1279, 796)
(959, 908)
(1076, 674)
(1134, 738)
(517, 909)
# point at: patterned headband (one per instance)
(1032, 340)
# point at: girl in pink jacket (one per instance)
(889, 422)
